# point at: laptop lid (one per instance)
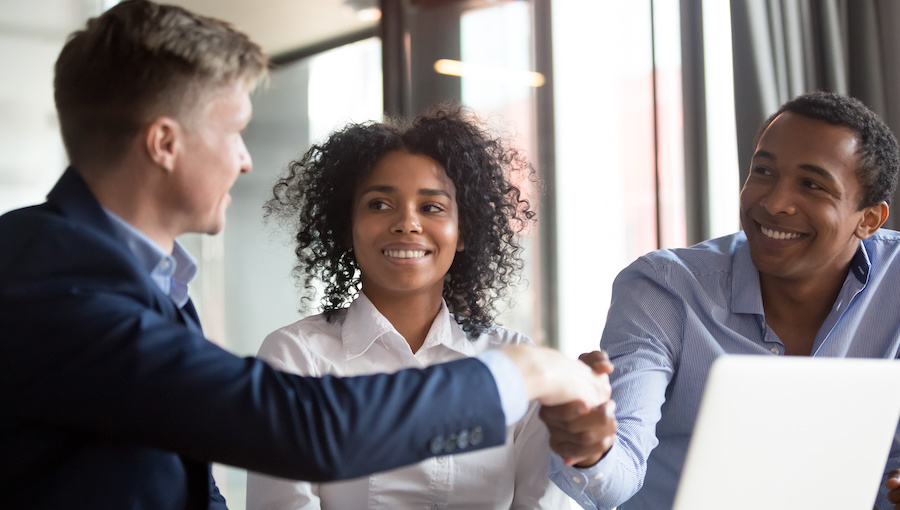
(791, 432)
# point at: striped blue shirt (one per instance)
(673, 312)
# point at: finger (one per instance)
(893, 483)
(894, 496)
(578, 452)
(564, 412)
(893, 486)
(580, 425)
(597, 356)
(598, 361)
(586, 430)
(595, 419)
(583, 455)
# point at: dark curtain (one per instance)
(783, 48)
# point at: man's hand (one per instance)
(579, 434)
(553, 378)
(893, 486)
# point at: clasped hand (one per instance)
(581, 433)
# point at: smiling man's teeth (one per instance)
(774, 234)
(405, 254)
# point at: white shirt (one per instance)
(362, 341)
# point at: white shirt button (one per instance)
(598, 476)
(774, 350)
(576, 479)
(441, 460)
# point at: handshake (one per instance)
(575, 399)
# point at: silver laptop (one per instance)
(792, 433)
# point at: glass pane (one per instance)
(606, 190)
(723, 167)
(669, 123)
(31, 36)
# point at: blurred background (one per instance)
(639, 116)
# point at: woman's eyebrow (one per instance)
(432, 192)
(380, 188)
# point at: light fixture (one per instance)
(366, 10)
(500, 74)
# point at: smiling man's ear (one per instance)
(873, 218)
(162, 140)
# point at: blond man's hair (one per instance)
(140, 60)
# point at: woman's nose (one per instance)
(407, 222)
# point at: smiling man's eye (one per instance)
(812, 185)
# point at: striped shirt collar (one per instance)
(172, 273)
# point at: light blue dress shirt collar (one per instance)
(747, 295)
(172, 273)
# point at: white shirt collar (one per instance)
(364, 324)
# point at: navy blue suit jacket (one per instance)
(110, 396)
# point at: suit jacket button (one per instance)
(476, 436)
(450, 443)
(462, 440)
(437, 444)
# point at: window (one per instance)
(619, 161)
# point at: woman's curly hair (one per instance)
(314, 198)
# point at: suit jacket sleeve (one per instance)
(89, 346)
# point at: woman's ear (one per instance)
(163, 141)
(348, 240)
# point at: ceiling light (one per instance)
(511, 76)
(366, 10)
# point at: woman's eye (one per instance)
(432, 208)
(378, 204)
(761, 170)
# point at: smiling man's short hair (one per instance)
(879, 154)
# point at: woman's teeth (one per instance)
(405, 254)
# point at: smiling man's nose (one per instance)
(779, 199)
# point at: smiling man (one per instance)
(811, 274)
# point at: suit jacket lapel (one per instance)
(189, 316)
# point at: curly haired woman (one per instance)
(413, 228)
